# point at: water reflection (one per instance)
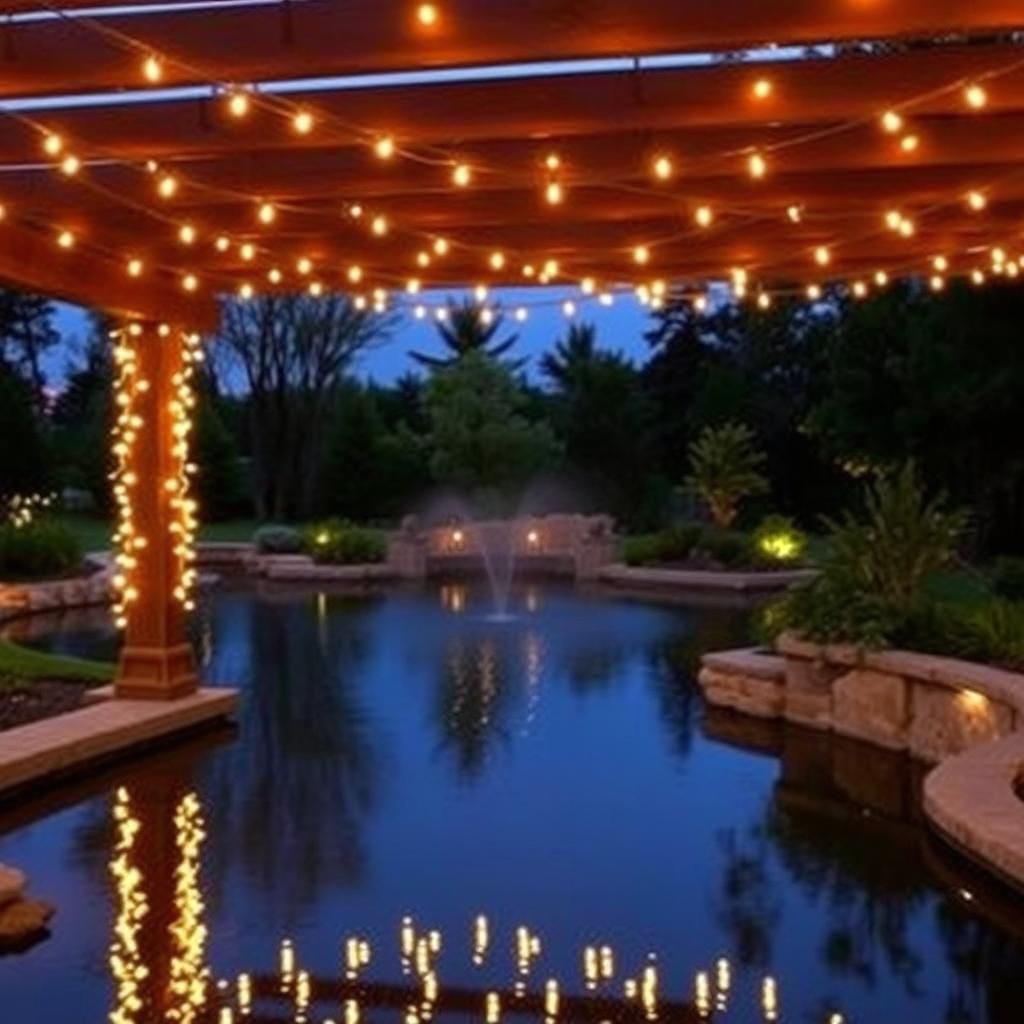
(555, 772)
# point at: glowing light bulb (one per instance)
(554, 193)
(428, 15)
(187, 234)
(978, 277)
(412, 286)
(813, 292)
(521, 314)
(266, 213)
(355, 274)
(152, 68)
(497, 260)
(941, 264)
(302, 122)
(762, 88)
(975, 97)
(641, 255)
(190, 282)
(70, 165)
(764, 301)
(52, 144)
(822, 256)
(379, 226)
(909, 143)
(384, 147)
(795, 213)
(937, 283)
(423, 259)
(700, 304)
(135, 267)
(420, 312)
(316, 289)
(245, 291)
(588, 286)
(892, 122)
(222, 244)
(66, 239)
(247, 251)
(552, 161)
(569, 308)
(704, 216)
(167, 186)
(757, 165)
(976, 200)
(304, 265)
(893, 219)
(662, 168)
(907, 228)
(462, 175)
(881, 278)
(441, 246)
(606, 299)
(274, 275)
(239, 103)
(480, 293)
(860, 289)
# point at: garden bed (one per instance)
(24, 701)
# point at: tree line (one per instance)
(832, 392)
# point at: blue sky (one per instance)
(620, 327)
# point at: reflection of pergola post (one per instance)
(157, 660)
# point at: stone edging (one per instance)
(49, 595)
(966, 717)
(699, 579)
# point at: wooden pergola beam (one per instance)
(322, 37)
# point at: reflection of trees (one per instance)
(289, 801)
(747, 906)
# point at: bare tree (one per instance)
(292, 352)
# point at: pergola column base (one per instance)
(156, 673)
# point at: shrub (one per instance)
(278, 540)
(674, 544)
(41, 548)
(777, 540)
(1008, 579)
(990, 632)
(729, 548)
(337, 542)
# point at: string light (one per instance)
(441, 246)
(522, 314)
(70, 165)
(704, 216)
(384, 147)
(316, 289)
(135, 267)
(152, 68)
(588, 285)
(266, 213)
(462, 175)
(641, 255)
(302, 122)
(822, 256)
(480, 293)
(937, 283)
(978, 277)
(757, 165)
(941, 264)
(662, 168)
(795, 213)
(274, 275)
(52, 144)
(554, 193)
(552, 161)
(222, 244)
(975, 97)
(762, 89)
(190, 282)
(184, 521)
(167, 186)
(304, 265)
(813, 292)
(569, 308)
(427, 15)
(187, 234)
(497, 260)
(239, 103)
(881, 278)
(245, 291)
(247, 251)
(423, 259)
(892, 122)
(859, 289)
(976, 200)
(764, 300)
(909, 143)
(355, 274)
(379, 226)
(66, 239)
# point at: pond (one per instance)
(405, 754)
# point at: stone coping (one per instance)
(972, 800)
(302, 568)
(102, 729)
(995, 683)
(748, 661)
(701, 579)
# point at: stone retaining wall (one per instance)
(49, 595)
(929, 706)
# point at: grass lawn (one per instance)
(19, 663)
(94, 532)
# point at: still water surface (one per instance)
(403, 754)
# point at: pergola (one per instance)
(158, 158)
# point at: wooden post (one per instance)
(157, 660)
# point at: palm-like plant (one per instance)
(467, 329)
(724, 469)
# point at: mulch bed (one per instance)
(26, 701)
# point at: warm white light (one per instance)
(606, 298)
(757, 165)
(266, 213)
(247, 251)
(892, 122)
(764, 301)
(909, 143)
(152, 68)
(497, 260)
(937, 282)
(554, 193)
(860, 290)
(222, 244)
(907, 228)
(379, 226)
(66, 239)
(975, 97)
(978, 277)
(412, 286)
(190, 282)
(941, 264)
(762, 88)
(480, 293)
(881, 278)
(52, 144)
(795, 213)
(813, 292)
(704, 216)
(822, 256)
(893, 220)
(274, 275)
(304, 265)
(641, 255)
(245, 291)
(552, 161)
(588, 285)
(168, 186)
(423, 259)
(428, 15)
(316, 289)
(238, 103)
(662, 168)
(700, 304)
(135, 267)
(384, 147)
(462, 175)
(70, 165)
(441, 246)
(355, 274)
(302, 122)
(187, 234)
(976, 200)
